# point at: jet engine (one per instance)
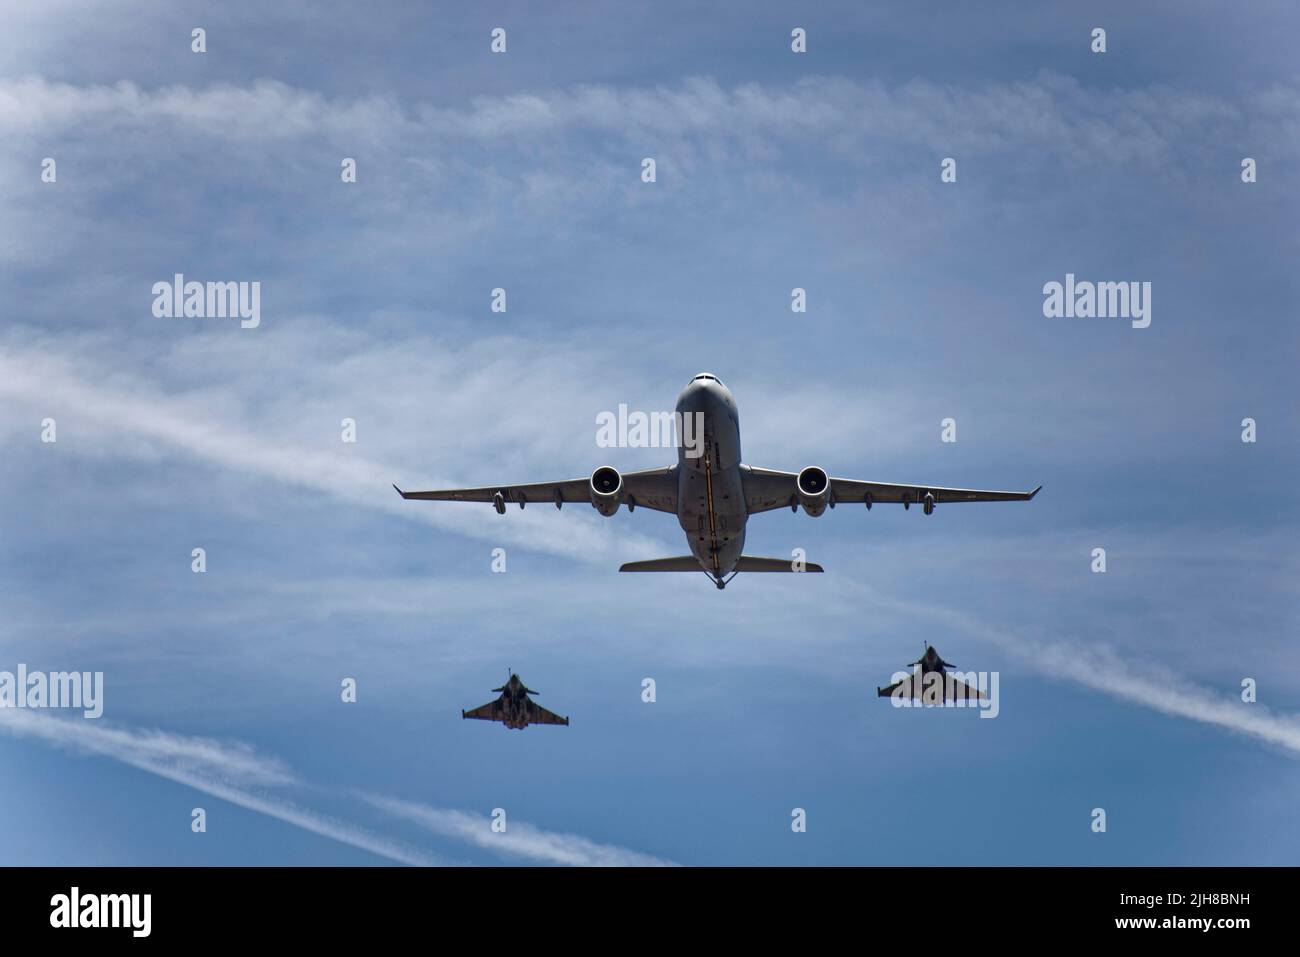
(814, 490)
(606, 489)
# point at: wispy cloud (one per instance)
(1050, 111)
(518, 840)
(225, 770)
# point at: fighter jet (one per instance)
(947, 687)
(713, 493)
(514, 708)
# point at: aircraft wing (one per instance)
(539, 715)
(766, 489)
(961, 689)
(651, 488)
(486, 712)
(951, 689)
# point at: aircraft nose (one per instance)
(705, 382)
(703, 391)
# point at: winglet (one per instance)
(1030, 498)
(403, 494)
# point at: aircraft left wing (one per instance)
(539, 715)
(766, 489)
(486, 712)
(650, 488)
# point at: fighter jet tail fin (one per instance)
(684, 563)
(749, 563)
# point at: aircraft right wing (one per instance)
(961, 689)
(766, 489)
(539, 715)
(485, 712)
(651, 488)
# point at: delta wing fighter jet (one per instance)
(945, 687)
(712, 493)
(514, 708)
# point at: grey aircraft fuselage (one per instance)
(711, 497)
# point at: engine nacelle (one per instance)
(606, 487)
(813, 488)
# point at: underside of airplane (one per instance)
(713, 493)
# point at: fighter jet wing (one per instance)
(962, 689)
(650, 488)
(950, 690)
(487, 712)
(539, 715)
(766, 489)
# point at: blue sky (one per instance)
(521, 170)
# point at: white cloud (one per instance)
(1050, 113)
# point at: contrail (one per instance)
(151, 750)
(520, 839)
(206, 765)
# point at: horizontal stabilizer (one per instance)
(684, 563)
(748, 563)
(689, 563)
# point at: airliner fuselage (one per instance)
(710, 496)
